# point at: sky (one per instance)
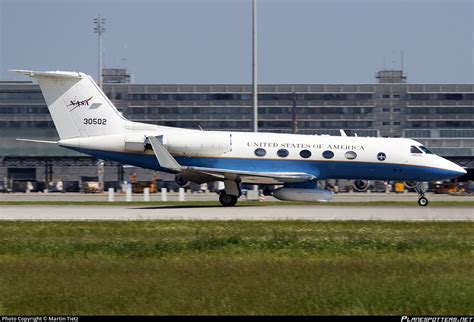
(209, 41)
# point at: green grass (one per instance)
(239, 204)
(244, 268)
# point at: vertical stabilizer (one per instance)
(77, 105)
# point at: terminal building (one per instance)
(440, 116)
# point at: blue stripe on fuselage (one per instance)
(320, 169)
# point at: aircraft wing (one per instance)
(201, 174)
(252, 176)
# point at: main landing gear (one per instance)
(229, 197)
(422, 200)
(227, 200)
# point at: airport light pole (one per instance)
(99, 29)
(254, 65)
(254, 70)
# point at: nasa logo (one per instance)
(76, 104)
(381, 156)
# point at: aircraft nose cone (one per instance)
(449, 170)
(463, 171)
(459, 171)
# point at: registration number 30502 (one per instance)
(94, 121)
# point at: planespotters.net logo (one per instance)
(437, 319)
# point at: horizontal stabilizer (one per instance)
(57, 74)
(38, 141)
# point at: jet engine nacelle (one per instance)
(298, 194)
(198, 143)
(361, 185)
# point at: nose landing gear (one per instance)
(422, 200)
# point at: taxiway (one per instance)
(252, 213)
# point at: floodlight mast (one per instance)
(99, 29)
(254, 65)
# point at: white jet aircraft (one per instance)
(88, 122)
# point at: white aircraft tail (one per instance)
(77, 105)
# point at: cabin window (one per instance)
(283, 153)
(328, 154)
(351, 155)
(425, 149)
(305, 154)
(414, 149)
(260, 152)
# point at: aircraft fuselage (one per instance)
(325, 157)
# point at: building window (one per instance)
(385, 109)
(397, 109)
(418, 133)
(305, 154)
(260, 152)
(351, 155)
(396, 95)
(385, 123)
(396, 123)
(328, 154)
(283, 153)
(386, 96)
(456, 133)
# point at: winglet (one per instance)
(165, 159)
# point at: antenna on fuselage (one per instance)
(342, 132)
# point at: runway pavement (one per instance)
(252, 213)
(173, 196)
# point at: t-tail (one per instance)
(78, 106)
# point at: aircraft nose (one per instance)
(456, 169)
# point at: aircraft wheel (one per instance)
(181, 180)
(227, 200)
(423, 201)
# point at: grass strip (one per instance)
(236, 268)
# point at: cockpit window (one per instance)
(425, 149)
(414, 149)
